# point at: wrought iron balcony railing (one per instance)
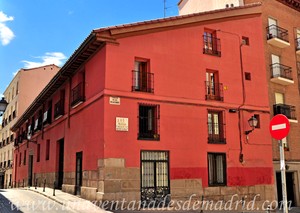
(287, 110)
(216, 134)
(273, 31)
(213, 91)
(280, 70)
(142, 81)
(59, 108)
(211, 45)
(77, 94)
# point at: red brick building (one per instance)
(281, 26)
(159, 107)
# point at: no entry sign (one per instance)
(279, 126)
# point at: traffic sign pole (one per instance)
(283, 179)
(279, 129)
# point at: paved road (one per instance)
(23, 201)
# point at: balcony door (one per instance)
(275, 65)
(155, 178)
(272, 27)
(279, 99)
(212, 80)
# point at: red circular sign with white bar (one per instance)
(279, 126)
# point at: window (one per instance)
(47, 113)
(214, 90)
(298, 73)
(216, 127)
(38, 153)
(211, 44)
(142, 79)
(47, 149)
(59, 107)
(77, 92)
(17, 88)
(298, 40)
(245, 40)
(148, 122)
(258, 121)
(216, 169)
(281, 108)
(248, 76)
(272, 23)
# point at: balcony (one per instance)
(216, 133)
(281, 74)
(287, 110)
(297, 42)
(14, 114)
(59, 108)
(47, 116)
(211, 46)
(213, 91)
(277, 36)
(77, 95)
(38, 124)
(142, 81)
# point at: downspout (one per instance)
(241, 156)
(69, 105)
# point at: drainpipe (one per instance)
(69, 105)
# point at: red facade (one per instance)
(187, 87)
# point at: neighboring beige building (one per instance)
(19, 94)
(195, 6)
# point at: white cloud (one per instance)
(56, 58)
(6, 34)
(15, 73)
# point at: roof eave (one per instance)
(89, 46)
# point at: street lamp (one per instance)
(252, 123)
(3, 105)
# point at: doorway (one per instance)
(272, 27)
(30, 170)
(289, 188)
(155, 179)
(60, 152)
(1, 180)
(78, 178)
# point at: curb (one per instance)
(29, 189)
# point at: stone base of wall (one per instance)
(42, 177)
(68, 188)
(114, 182)
(89, 193)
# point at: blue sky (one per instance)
(40, 32)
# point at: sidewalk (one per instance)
(70, 202)
(79, 205)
